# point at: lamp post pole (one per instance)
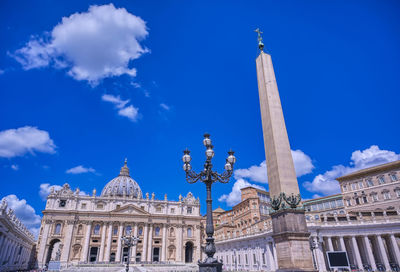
(208, 177)
(129, 241)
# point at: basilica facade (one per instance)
(79, 228)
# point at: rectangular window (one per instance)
(375, 197)
(398, 193)
(365, 200)
(360, 184)
(370, 182)
(326, 205)
(348, 202)
(393, 177)
(333, 204)
(381, 180)
(357, 201)
(263, 257)
(354, 186)
(344, 188)
(100, 206)
(386, 195)
(172, 210)
(189, 210)
(83, 206)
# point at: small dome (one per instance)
(123, 185)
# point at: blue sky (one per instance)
(84, 88)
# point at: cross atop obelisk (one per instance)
(290, 232)
(259, 38)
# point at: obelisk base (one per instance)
(210, 267)
(291, 239)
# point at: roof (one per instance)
(369, 170)
(257, 189)
(219, 210)
(308, 201)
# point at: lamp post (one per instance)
(208, 177)
(129, 241)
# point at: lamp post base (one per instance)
(210, 267)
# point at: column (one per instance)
(356, 252)
(12, 256)
(109, 239)
(4, 247)
(164, 243)
(370, 255)
(275, 256)
(395, 248)
(102, 243)
(320, 254)
(43, 242)
(118, 255)
(144, 250)
(342, 244)
(179, 243)
(382, 252)
(270, 258)
(150, 243)
(84, 257)
(67, 241)
(134, 248)
(330, 245)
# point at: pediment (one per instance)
(130, 209)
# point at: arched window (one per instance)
(128, 230)
(189, 232)
(172, 232)
(157, 231)
(96, 229)
(80, 229)
(57, 229)
(140, 230)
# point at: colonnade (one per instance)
(370, 251)
(252, 255)
(15, 254)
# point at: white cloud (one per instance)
(14, 167)
(165, 106)
(80, 169)
(326, 184)
(25, 213)
(45, 189)
(127, 111)
(92, 45)
(131, 112)
(18, 142)
(116, 100)
(258, 173)
(136, 85)
(234, 197)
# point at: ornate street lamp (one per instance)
(129, 241)
(208, 177)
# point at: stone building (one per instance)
(88, 229)
(17, 244)
(372, 189)
(370, 236)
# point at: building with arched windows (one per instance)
(80, 228)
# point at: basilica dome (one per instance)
(123, 185)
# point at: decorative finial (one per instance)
(259, 38)
(124, 169)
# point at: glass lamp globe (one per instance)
(187, 167)
(228, 166)
(186, 158)
(207, 141)
(231, 157)
(210, 153)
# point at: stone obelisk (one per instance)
(290, 232)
